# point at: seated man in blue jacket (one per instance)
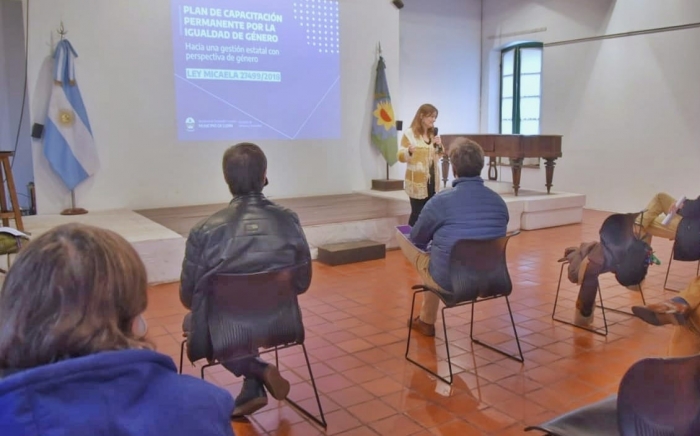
(469, 210)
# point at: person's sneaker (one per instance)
(277, 385)
(674, 311)
(422, 327)
(251, 398)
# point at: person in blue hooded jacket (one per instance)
(72, 358)
(470, 210)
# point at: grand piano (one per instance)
(514, 147)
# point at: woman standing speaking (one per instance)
(421, 149)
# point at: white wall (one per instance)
(11, 93)
(627, 107)
(440, 63)
(124, 70)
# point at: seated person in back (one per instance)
(469, 210)
(73, 359)
(683, 311)
(687, 237)
(662, 203)
(251, 235)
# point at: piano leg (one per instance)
(493, 169)
(549, 171)
(445, 170)
(516, 166)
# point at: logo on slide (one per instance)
(189, 124)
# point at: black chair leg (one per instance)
(496, 349)
(447, 346)
(624, 312)
(208, 365)
(668, 270)
(602, 308)
(556, 296)
(182, 354)
(322, 421)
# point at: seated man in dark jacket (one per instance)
(469, 210)
(251, 235)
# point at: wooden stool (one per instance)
(15, 213)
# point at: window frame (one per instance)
(516, 48)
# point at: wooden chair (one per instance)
(15, 213)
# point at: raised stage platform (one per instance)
(160, 248)
(530, 210)
(158, 235)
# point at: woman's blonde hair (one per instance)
(73, 291)
(424, 111)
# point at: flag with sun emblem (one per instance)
(384, 135)
(68, 143)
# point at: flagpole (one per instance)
(379, 50)
(70, 138)
(62, 32)
(73, 210)
(384, 129)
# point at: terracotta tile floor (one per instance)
(355, 318)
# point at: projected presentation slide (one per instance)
(252, 69)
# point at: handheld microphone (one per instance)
(438, 147)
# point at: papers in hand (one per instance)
(673, 212)
(14, 232)
(405, 232)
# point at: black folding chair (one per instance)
(616, 234)
(596, 330)
(248, 312)
(478, 272)
(686, 228)
(660, 396)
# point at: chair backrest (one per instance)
(617, 231)
(659, 397)
(478, 269)
(249, 311)
(626, 253)
(686, 246)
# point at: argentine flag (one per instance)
(68, 143)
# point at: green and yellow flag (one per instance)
(384, 135)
